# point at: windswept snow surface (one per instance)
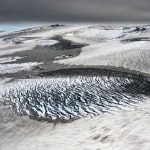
(125, 130)
(93, 35)
(46, 42)
(51, 32)
(10, 48)
(8, 59)
(117, 47)
(114, 111)
(22, 40)
(12, 68)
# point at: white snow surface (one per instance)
(46, 42)
(133, 56)
(12, 68)
(125, 130)
(93, 35)
(8, 59)
(128, 129)
(10, 48)
(106, 48)
(56, 31)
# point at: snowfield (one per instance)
(12, 68)
(133, 56)
(106, 111)
(8, 59)
(46, 42)
(11, 48)
(110, 49)
(124, 130)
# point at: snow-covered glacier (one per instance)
(72, 98)
(75, 87)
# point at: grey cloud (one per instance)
(75, 10)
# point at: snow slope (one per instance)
(8, 59)
(125, 130)
(12, 68)
(114, 47)
(117, 46)
(10, 48)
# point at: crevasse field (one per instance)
(72, 87)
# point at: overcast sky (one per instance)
(75, 10)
